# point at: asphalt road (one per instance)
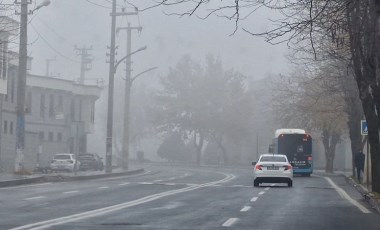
(187, 198)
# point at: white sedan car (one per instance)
(272, 168)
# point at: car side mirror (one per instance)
(254, 163)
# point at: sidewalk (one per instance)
(370, 197)
(9, 179)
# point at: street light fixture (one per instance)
(44, 3)
(127, 56)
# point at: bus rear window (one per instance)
(272, 159)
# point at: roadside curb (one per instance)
(367, 195)
(9, 183)
(60, 178)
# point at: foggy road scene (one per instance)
(177, 114)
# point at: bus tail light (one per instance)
(259, 167)
(309, 158)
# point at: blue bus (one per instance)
(296, 144)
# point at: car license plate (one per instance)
(273, 168)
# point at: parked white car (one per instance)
(272, 168)
(64, 162)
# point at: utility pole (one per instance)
(111, 87)
(127, 95)
(85, 61)
(48, 65)
(22, 66)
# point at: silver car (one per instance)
(64, 162)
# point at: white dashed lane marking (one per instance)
(68, 192)
(122, 184)
(246, 208)
(261, 193)
(104, 187)
(230, 222)
(34, 198)
(254, 199)
(267, 188)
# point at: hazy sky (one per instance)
(56, 29)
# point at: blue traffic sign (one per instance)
(364, 127)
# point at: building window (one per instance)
(51, 136)
(13, 89)
(5, 127)
(28, 106)
(60, 103)
(72, 110)
(59, 137)
(11, 128)
(4, 60)
(51, 105)
(41, 136)
(93, 113)
(42, 106)
(80, 110)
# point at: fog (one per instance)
(55, 30)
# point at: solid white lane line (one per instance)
(261, 193)
(34, 198)
(267, 188)
(230, 222)
(254, 199)
(169, 184)
(343, 194)
(124, 183)
(103, 187)
(245, 208)
(68, 192)
(145, 183)
(106, 210)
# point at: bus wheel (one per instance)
(255, 183)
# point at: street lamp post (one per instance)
(21, 85)
(113, 68)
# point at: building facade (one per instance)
(59, 114)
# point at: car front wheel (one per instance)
(290, 184)
(256, 183)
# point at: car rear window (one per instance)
(272, 159)
(86, 156)
(62, 157)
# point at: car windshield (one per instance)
(272, 159)
(62, 157)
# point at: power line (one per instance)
(55, 32)
(96, 4)
(52, 48)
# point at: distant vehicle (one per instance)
(90, 161)
(296, 144)
(64, 162)
(272, 168)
